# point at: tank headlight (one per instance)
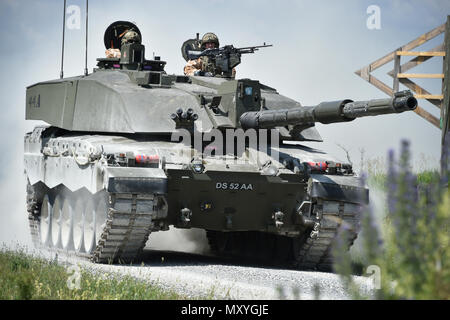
(197, 166)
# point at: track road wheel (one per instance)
(100, 216)
(45, 225)
(78, 225)
(56, 222)
(89, 227)
(67, 223)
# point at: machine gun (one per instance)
(222, 60)
(328, 112)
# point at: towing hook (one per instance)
(278, 217)
(186, 215)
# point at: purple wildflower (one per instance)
(391, 183)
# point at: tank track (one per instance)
(33, 222)
(313, 251)
(126, 229)
(33, 209)
(128, 226)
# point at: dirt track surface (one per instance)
(206, 276)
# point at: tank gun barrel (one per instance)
(329, 112)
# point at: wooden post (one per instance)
(395, 86)
(445, 109)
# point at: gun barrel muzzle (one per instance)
(405, 103)
(402, 101)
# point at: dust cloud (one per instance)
(184, 240)
(14, 228)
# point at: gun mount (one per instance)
(328, 112)
(224, 59)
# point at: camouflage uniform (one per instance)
(202, 65)
(130, 36)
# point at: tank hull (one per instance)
(106, 209)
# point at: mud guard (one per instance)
(136, 180)
(338, 188)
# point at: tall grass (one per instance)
(412, 254)
(26, 277)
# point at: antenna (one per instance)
(86, 53)
(61, 74)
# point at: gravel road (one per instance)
(207, 276)
(179, 260)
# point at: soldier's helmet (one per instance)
(210, 37)
(131, 37)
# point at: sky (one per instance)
(318, 45)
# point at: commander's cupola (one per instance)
(124, 49)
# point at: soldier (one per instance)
(202, 66)
(128, 36)
(131, 36)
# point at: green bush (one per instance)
(413, 252)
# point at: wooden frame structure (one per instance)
(445, 110)
(399, 74)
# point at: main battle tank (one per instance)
(130, 150)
